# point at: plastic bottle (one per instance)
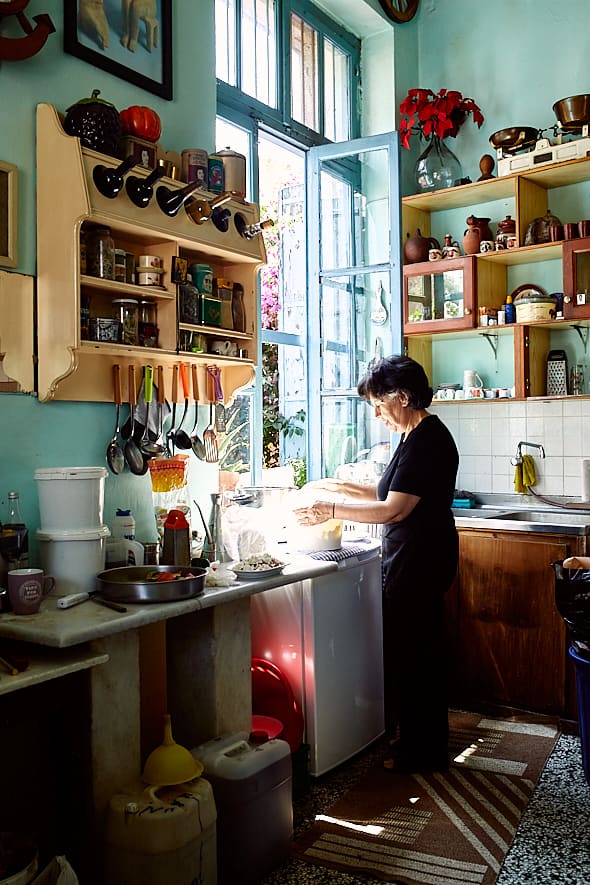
(123, 525)
(18, 553)
(509, 310)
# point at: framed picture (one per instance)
(8, 216)
(131, 39)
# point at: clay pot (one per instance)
(471, 239)
(482, 224)
(508, 226)
(416, 248)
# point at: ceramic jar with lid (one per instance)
(100, 253)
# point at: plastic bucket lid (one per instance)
(70, 473)
(68, 535)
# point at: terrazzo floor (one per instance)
(552, 845)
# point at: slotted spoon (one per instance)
(210, 439)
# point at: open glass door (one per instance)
(354, 298)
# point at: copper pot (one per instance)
(573, 112)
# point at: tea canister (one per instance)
(126, 311)
(234, 172)
(202, 277)
(215, 174)
(100, 253)
(195, 166)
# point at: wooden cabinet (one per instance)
(439, 295)
(525, 195)
(72, 368)
(509, 643)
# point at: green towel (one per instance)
(518, 483)
(529, 477)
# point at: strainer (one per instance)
(170, 764)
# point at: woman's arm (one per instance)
(357, 490)
(396, 507)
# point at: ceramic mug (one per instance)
(486, 246)
(511, 242)
(473, 392)
(451, 252)
(584, 228)
(224, 348)
(434, 254)
(570, 231)
(26, 588)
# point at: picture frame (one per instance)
(103, 35)
(8, 214)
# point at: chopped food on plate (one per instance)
(261, 563)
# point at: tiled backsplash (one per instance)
(487, 436)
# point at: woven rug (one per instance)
(438, 828)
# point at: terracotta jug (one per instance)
(416, 248)
(471, 240)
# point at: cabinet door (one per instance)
(510, 639)
(576, 279)
(439, 296)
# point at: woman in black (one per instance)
(419, 557)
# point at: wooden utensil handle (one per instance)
(132, 393)
(195, 384)
(161, 395)
(175, 384)
(117, 383)
(184, 379)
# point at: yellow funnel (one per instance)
(170, 764)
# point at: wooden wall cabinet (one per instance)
(530, 193)
(71, 368)
(509, 642)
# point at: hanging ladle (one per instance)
(181, 438)
(150, 449)
(197, 444)
(115, 456)
(170, 432)
(135, 461)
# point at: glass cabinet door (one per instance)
(354, 294)
(439, 296)
(576, 279)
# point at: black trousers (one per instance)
(416, 669)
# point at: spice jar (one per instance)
(100, 253)
(126, 311)
(148, 323)
(120, 266)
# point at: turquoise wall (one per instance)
(37, 434)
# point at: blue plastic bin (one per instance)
(582, 668)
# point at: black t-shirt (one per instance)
(424, 546)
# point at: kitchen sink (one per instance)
(547, 516)
(476, 512)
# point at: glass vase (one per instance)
(437, 166)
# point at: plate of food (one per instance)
(263, 566)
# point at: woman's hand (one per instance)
(319, 511)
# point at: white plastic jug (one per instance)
(122, 552)
(471, 379)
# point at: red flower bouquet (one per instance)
(439, 114)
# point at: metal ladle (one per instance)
(115, 455)
(181, 438)
(135, 460)
(198, 446)
(149, 448)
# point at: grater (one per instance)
(557, 373)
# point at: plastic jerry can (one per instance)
(252, 789)
(161, 835)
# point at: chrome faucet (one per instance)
(518, 457)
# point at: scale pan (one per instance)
(514, 139)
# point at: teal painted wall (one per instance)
(34, 434)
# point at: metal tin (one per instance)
(202, 277)
(195, 166)
(234, 171)
(216, 174)
(223, 289)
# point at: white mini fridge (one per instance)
(325, 635)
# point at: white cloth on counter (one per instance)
(219, 575)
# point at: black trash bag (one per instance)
(572, 599)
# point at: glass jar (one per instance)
(100, 253)
(126, 311)
(148, 323)
(120, 266)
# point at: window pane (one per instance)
(284, 392)
(259, 50)
(235, 443)
(336, 93)
(225, 41)
(304, 73)
(354, 215)
(354, 328)
(356, 445)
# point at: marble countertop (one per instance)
(62, 628)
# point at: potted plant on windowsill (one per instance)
(436, 116)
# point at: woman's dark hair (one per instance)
(396, 373)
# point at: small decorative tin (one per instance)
(195, 166)
(223, 288)
(189, 304)
(216, 174)
(104, 329)
(211, 310)
(202, 277)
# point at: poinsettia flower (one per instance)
(439, 113)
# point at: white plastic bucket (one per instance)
(70, 497)
(73, 558)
